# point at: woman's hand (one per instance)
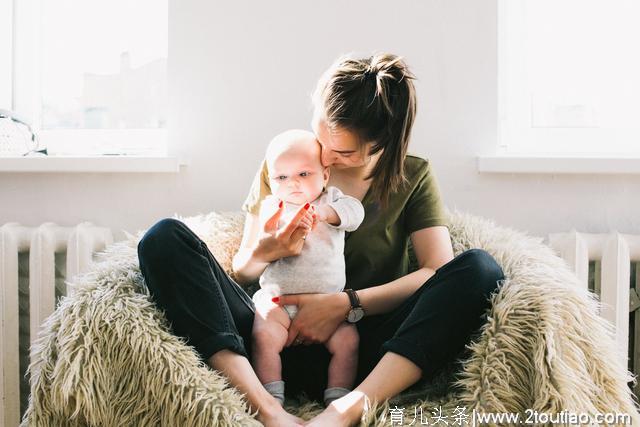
(275, 243)
(318, 316)
(262, 241)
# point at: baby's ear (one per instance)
(326, 173)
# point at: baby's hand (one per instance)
(327, 214)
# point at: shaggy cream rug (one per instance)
(106, 357)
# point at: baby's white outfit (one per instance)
(320, 266)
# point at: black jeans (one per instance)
(207, 308)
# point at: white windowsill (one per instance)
(559, 164)
(92, 164)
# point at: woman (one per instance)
(414, 323)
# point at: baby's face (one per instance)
(296, 175)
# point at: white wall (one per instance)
(239, 72)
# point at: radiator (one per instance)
(34, 262)
(609, 265)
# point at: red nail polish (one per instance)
(280, 204)
(275, 299)
(307, 205)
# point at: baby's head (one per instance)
(296, 174)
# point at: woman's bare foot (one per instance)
(329, 417)
(277, 416)
(342, 412)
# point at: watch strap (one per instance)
(353, 298)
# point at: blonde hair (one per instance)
(375, 98)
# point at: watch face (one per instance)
(355, 314)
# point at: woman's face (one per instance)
(340, 148)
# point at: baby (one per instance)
(296, 176)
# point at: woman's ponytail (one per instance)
(375, 98)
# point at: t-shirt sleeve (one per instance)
(425, 207)
(259, 190)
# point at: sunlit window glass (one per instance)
(103, 64)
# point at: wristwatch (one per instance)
(357, 312)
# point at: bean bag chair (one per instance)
(107, 357)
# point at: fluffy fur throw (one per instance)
(106, 356)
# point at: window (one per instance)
(569, 77)
(91, 75)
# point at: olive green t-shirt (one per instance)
(377, 252)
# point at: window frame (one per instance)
(26, 90)
(516, 135)
(6, 49)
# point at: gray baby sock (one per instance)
(276, 389)
(334, 393)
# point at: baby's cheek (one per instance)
(315, 188)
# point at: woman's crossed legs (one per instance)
(216, 316)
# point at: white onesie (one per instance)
(320, 266)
